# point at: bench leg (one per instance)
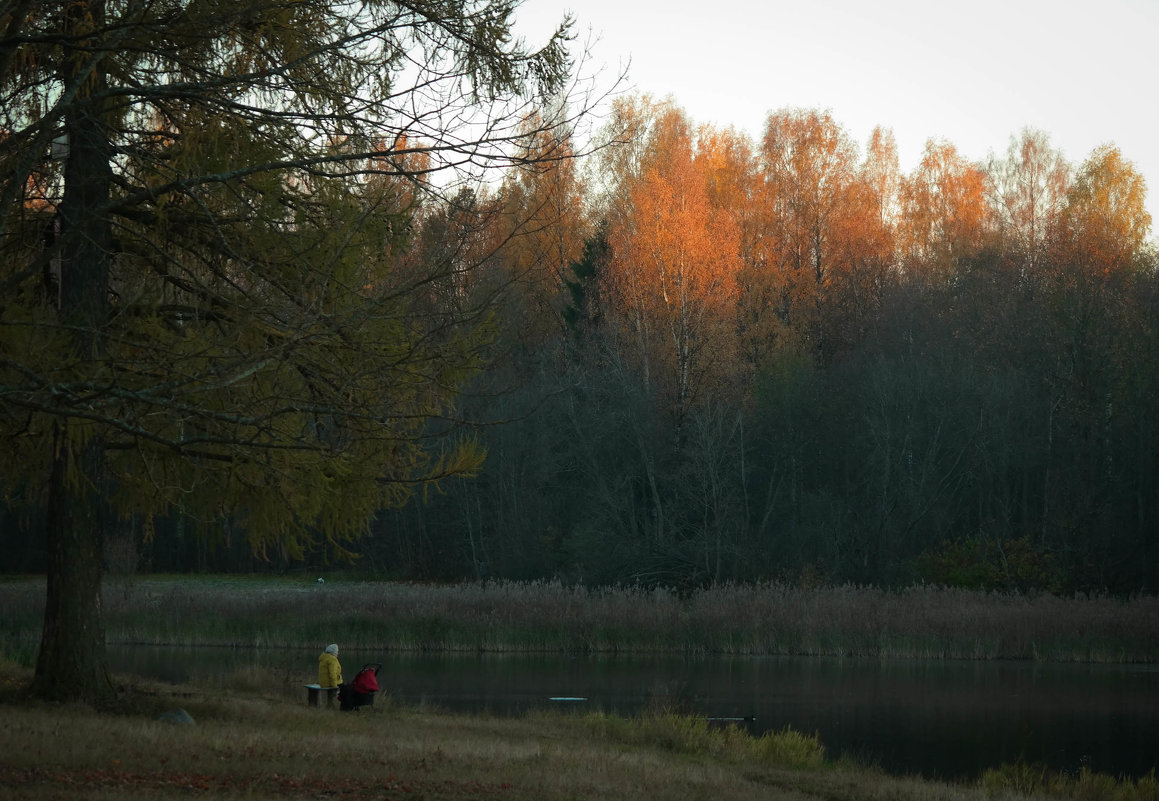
(331, 694)
(311, 696)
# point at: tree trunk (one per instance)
(71, 663)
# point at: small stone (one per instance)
(177, 716)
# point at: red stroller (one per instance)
(359, 692)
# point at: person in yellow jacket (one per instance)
(329, 669)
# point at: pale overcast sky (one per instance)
(974, 74)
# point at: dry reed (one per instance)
(773, 618)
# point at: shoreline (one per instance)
(242, 743)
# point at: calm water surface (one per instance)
(937, 719)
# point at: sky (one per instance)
(974, 74)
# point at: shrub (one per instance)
(983, 563)
(687, 734)
(1032, 779)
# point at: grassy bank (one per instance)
(246, 744)
(864, 622)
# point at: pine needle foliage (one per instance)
(213, 309)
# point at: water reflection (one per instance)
(936, 719)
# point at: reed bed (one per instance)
(549, 616)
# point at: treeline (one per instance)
(716, 359)
(786, 359)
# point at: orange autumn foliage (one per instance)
(831, 227)
(1105, 222)
(807, 236)
(541, 230)
(673, 272)
(945, 213)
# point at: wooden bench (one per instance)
(312, 691)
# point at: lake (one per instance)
(948, 720)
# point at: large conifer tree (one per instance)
(207, 308)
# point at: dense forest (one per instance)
(727, 360)
(713, 359)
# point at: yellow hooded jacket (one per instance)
(329, 670)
